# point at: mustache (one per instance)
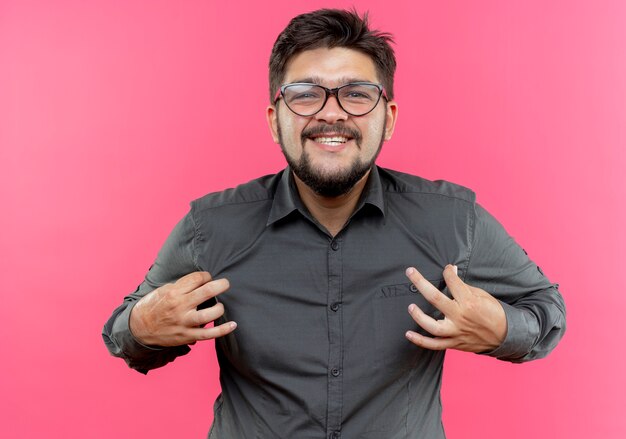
(338, 129)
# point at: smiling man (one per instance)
(336, 286)
(331, 136)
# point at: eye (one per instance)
(357, 94)
(304, 96)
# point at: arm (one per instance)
(155, 324)
(534, 308)
(507, 309)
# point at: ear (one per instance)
(272, 121)
(392, 116)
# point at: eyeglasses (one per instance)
(356, 98)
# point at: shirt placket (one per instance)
(335, 337)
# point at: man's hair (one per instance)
(332, 28)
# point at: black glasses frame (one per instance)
(280, 93)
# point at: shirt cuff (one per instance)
(126, 340)
(121, 343)
(519, 340)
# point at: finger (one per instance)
(439, 328)
(208, 290)
(430, 292)
(204, 316)
(213, 332)
(192, 281)
(456, 286)
(434, 344)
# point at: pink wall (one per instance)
(115, 114)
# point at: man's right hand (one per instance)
(167, 316)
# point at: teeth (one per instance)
(331, 140)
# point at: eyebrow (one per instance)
(320, 81)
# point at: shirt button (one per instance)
(334, 306)
(334, 245)
(413, 288)
(336, 372)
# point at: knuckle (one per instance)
(218, 309)
(162, 290)
(170, 298)
(429, 328)
(196, 277)
(208, 334)
(193, 279)
(438, 331)
(435, 298)
(196, 318)
(418, 315)
(166, 290)
(471, 306)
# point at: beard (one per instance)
(330, 184)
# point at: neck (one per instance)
(331, 212)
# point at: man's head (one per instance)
(332, 28)
(333, 143)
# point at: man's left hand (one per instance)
(474, 320)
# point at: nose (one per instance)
(332, 111)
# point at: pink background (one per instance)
(115, 114)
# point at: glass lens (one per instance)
(358, 98)
(304, 99)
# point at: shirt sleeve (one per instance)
(175, 259)
(534, 307)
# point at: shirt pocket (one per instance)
(392, 320)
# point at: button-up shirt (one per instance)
(319, 350)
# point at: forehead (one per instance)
(330, 67)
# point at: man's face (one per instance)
(331, 150)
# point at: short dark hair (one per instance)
(332, 28)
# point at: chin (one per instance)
(332, 172)
(332, 182)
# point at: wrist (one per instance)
(136, 325)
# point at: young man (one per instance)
(334, 336)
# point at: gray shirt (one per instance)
(320, 351)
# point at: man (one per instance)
(320, 329)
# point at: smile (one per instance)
(332, 141)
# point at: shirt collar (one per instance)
(287, 199)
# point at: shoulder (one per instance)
(395, 182)
(256, 191)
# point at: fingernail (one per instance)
(411, 307)
(233, 325)
(408, 335)
(410, 271)
(456, 269)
